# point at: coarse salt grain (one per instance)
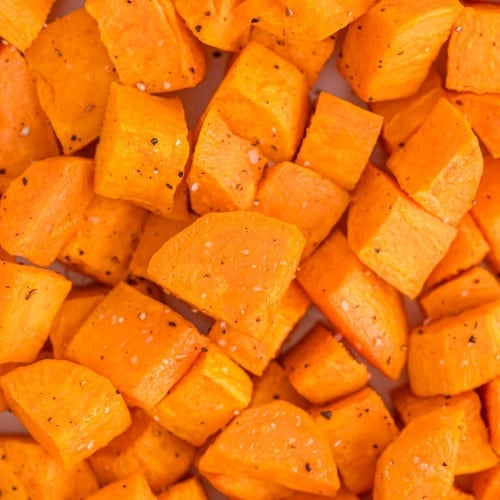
(195, 186)
(178, 142)
(134, 360)
(167, 85)
(344, 305)
(141, 86)
(142, 315)
(208, 244)
(253, 156)
(245, 251)
(149, 339)
(25, 131)
(257, 288)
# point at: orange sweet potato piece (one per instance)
(473, 51)
(140, 344)
(367, 311)
(72, 78)
(274, 384)
(468, 249)
(308, 56)
(322, 369)
(25, 134)
(486, 210)
(393, 236)
(483, 113)
(168, 58)
(68, 408)
(144, 447)
(189, 489)
(27, 471)
(143, 149)
(222, 252)
(215, 23)
(302, 197)
(470, 289)
(29, 300)
(43, 207)
(490, 393)
(403, 117)
(388, 52)
(133, 487)
(116, 225)
(78, 305)
(22, 20)
(339, 140)
(261, 83)
(455, 353)
(474, 452)
(486, 484)
(440, 166)
(342, 494)
(225, 168)
(257, 444)
(457, 494)
(358, 429)
(420, 462)
(304, 19)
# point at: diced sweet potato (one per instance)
(140, 344)
(44, 206)
(164, 57)
(491, 399)
(367, 311)
(339, 140)
(143, 149)
(189, 489)
(68, 408)
(72, 78)
(133, 487)
(358, 429)
(486, 484)
(393, 236)
(29, 301)
(222, 252)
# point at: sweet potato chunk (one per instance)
(222, 252)
(491, 399)
(68, 408)
(189, 489)
(133, 487)
(486, 484)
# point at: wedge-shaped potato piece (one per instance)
(72, 78)
(441, 165)
(223, 252)
(358, 429)
(133, 487)
(474, 452)
(165, 57)
(367, 311)
(490, 394)
(147, 448)
(258, 444)
(44, 206)
(421, 461)
(393, 236)
(189, 489)
(486, 484)
(455, 353)
(140, 344)
(25, 134)
(206, 398)
(29, 301)
(68, 408)
(143, 149)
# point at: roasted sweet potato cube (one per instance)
(72, 78)
(490, 394)
(143, 149)
(342, 494)
(30, 298)
(261, 83)
(117, 226)
(486, 484)
(367, 311)
(473, 51)
(22, 20)
(257, 445)
(440, 166)
(322, 369)
(25, 134)
(455, 353)
(358, 429)
(393, 236)
(474, 452)
(167, 58)
(339, 140)
(140, 344)
(302, 197)
(133, 487)
(147, 448)
(206, 398)
(189, 489)
(225, 168)
(68, 408)
(222, 252)
(42, 208)
(388, 52)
